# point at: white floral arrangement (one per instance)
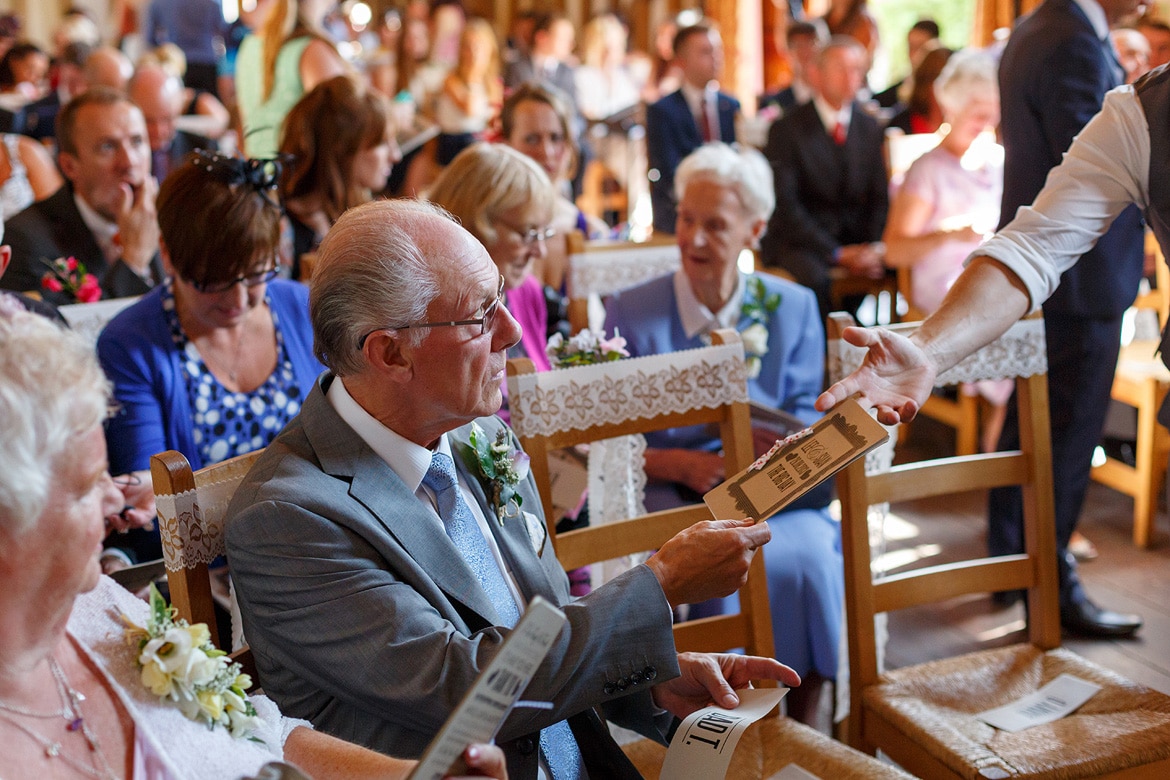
(501, 467)
(181, 666)
(586, 348)
(758, 308)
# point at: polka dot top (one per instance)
(227, 423)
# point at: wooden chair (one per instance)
(923, 716)
(191, 515)
(772, 742)
(1142, 381)
(696, 387)
(601, 268)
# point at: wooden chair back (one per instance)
(905, 712)
(601, 268)
(192, 507)
(695, 375)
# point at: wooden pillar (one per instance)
(740, 23)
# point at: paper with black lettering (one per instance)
(705, 741)
(1052, 702)
(494, 693)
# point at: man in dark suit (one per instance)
(1056, 69)
(159, 96)
(38, 119)
(830, 178)
(104, 215)
(681, 122)
(803, 40)
(373, 495)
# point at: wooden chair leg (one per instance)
(1143, 499)
(967, 431)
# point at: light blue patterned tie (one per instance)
(556, 742)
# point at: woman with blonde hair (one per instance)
(342, 147)
(289, 57)
(471, 93)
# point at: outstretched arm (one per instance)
(898, 372)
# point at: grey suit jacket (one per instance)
(365, 620)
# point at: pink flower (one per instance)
(51, 283)
(89, 290)
(616, 344)
(71, 263)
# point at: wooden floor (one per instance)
(1124, 578)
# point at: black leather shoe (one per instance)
(1087, 619)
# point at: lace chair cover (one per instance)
(611, 393)
(613, 270)
(191, 523)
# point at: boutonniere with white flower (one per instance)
(500, 466)
(586, 348)
(758, 307)
(181, 666)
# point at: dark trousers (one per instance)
(1082, 358)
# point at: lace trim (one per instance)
(1020, 352)
(609, 393)
(617, 491)
(610, 271)
(191, 523)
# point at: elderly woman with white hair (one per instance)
(725, 198)
(950, 200)
(73, 701)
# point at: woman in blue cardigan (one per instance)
(725, 198)
(214, 361)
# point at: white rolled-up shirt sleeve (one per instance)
(1105, 169)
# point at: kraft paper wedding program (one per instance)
(844, 434)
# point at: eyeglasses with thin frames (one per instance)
(531, 236)
(251, 280)
(484, 320)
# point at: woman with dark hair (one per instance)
(276, 67)
(852, 18)
(214, 361)
(922, 113)
(23, 70)
(342, 147)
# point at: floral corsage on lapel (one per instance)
(181, 666)
(500, 468)
(757, 310)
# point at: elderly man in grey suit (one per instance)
(372, 583)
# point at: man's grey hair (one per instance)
(741, 169)
(371, 273)
(52, 391)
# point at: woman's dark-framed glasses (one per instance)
(484, 320)
(251, 280)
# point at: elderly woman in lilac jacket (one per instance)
(725, 198)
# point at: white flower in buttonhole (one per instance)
(757, 309)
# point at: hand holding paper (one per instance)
(713, 678)
(708, 560)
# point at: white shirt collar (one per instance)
(829, 117)
(1097, 17)
(103, 229)
(696, 318)
(697, 98)
(408, 460)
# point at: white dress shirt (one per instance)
(703, 101)
(104, 231)
(1106, 169)
(831, 117)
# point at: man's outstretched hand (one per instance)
(713, 678)
(895, 378)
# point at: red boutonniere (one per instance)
(68, 276)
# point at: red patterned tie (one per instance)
(705, 125)
(839, 134)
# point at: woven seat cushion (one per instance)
(1123, 725)
(771, 744)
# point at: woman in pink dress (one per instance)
(950, 200)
